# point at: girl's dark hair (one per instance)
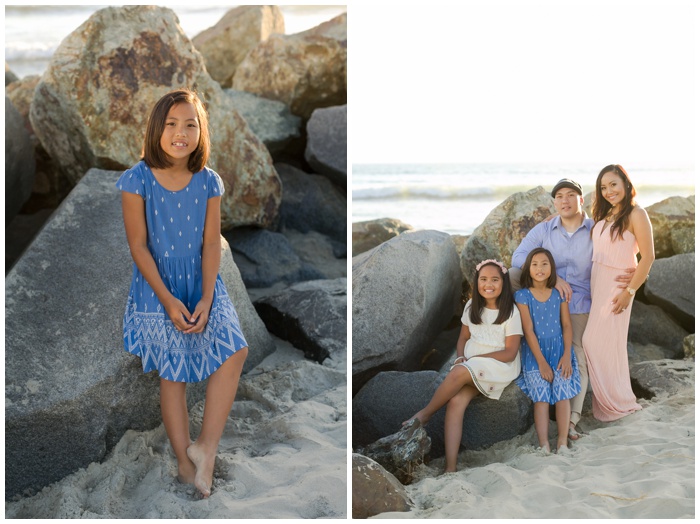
(153, 154)
(526, 278)
(602, 206)
(505, 301)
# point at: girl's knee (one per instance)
(241, 354)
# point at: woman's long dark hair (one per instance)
(505, 301)
(601, 207)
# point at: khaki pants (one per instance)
(578, 325)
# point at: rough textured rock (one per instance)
(91, 106)
(266, 258)
(404, 292)
(375, 490)
(663, 377)
(311, 315)
(310, 72)
(401, 452)
(392, 397)
(21, 93)
(689, 346)
(327, 144)
(50, 185)
(226, 44)
(71, 389)
(327, 256)
(20, 163)
(640, 352)
(649, 324)
(270, 120)
(370, 233)
(671, 286)
(673, 217)
(312, 203)
(504, 227)
(335, 28)
(9, 75)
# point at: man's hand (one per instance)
(564, 289)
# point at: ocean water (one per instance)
(32, 33)
(456, 198)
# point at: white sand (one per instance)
(642, 466)
(283, 455)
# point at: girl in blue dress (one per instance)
(549, 368)
(179, 318)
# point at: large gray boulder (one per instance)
(663, 377)
(327, 145)
(504, 227)
(671, 286)
(309, 72)
(649, 324)
(673, 220)
(266, 258)
(226, 44)
(270, 120)
(392, 397)
(20, 163)
(91, 105)
(311, 315)
(312, 203)
(71, 388)
(404, 292)
(375, 490)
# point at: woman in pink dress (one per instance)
(621, 231)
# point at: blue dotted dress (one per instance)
(546, 319)
(175, 223)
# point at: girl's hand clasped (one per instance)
(564, 366)
(199, 318)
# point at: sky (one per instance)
(525, 81)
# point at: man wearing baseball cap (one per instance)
(568, 237)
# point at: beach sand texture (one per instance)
(642, 466)
(282, 455)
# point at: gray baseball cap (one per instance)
(567, 182)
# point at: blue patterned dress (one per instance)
(546, 320)
(175, 224)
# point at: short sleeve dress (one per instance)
(175, 224)
(490, 376)
(546, 320)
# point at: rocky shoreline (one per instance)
(72, 394)
(419, 280)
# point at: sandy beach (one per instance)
(282, 455)
(642, 466)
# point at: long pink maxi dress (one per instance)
(605, 337)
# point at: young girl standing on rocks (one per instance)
(487, 351)
(179, 318)
(550, 370)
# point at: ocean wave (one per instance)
(430, 193)
(29, 52)
(406, 193)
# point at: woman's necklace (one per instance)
(610, 216)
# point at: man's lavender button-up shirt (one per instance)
(572, 255)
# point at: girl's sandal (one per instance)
(573, 435)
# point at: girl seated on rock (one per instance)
(487, 354)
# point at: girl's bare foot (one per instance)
(419, 417)
(204, 463)
(545, 448)
(186, 472)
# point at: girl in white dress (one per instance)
(487, 354)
